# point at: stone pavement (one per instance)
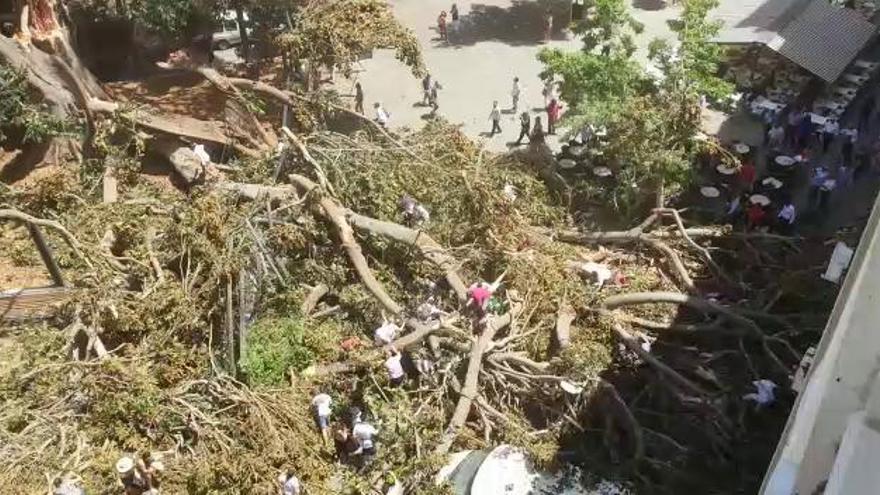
(495, 41)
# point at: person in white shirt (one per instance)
(382, 117)
(776, 136)
(321, 402)
(385, 334)
(289, 483)
(786, 217)
(829, 131)
(495, 117)
(364, 433)
(514, 93)
(396, 375)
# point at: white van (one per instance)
(228, 34)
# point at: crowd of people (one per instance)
(804, 152)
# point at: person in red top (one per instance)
(755, 215)
(747, 174)
(480, 294)
(441, 25)
(553, 110)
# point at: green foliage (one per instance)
(650, 126)
(18, 113)
(281, 344)
(592, 84)
(339, 33)
(692, 69)
(610, 28)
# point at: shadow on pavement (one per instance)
(520, 24)
(649, 4)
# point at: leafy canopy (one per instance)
(650, 124)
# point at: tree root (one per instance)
(705, 307)
(633, 345)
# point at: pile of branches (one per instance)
(142, 358)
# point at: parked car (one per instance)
(228, 34)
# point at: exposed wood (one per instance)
(311, 300)
(470, 386)
(47, 255)
(335, 214)
(173, 124)
(154, 262)
(429, 247)
(27, 304)
(109, 189)
(564, 317)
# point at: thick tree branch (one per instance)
(429, 247)
(470, 390)
(330, 210)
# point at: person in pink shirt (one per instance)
(480, 293)
(553, 110)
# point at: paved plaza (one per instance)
(495, 41)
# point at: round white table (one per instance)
(741, 148)
(772, 183)
(759, 199)
(725, 169)
(567, 164)
(710, 192)
(602, 171)
(785, 161)
(577, 151)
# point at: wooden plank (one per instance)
(32, 304)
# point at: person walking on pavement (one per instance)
(548, 91)
(553, 110)
(514, 93)
(358, 98)
(441, 26)
(454, 13)
(537, 136)
(525, 121)
(548, 25)
(432, 97)
(495, 117)
(427, 83)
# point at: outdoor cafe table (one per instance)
(726, 169)
(759, 199)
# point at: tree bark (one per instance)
(470, 387)
(432, 251)
(330, 210)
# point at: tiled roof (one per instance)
(814, 34)
(823, 38)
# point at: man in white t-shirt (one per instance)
(321, 402)
(289, 483)
(396, 374)
(385, 334)
(364, 433)
(382, 116)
